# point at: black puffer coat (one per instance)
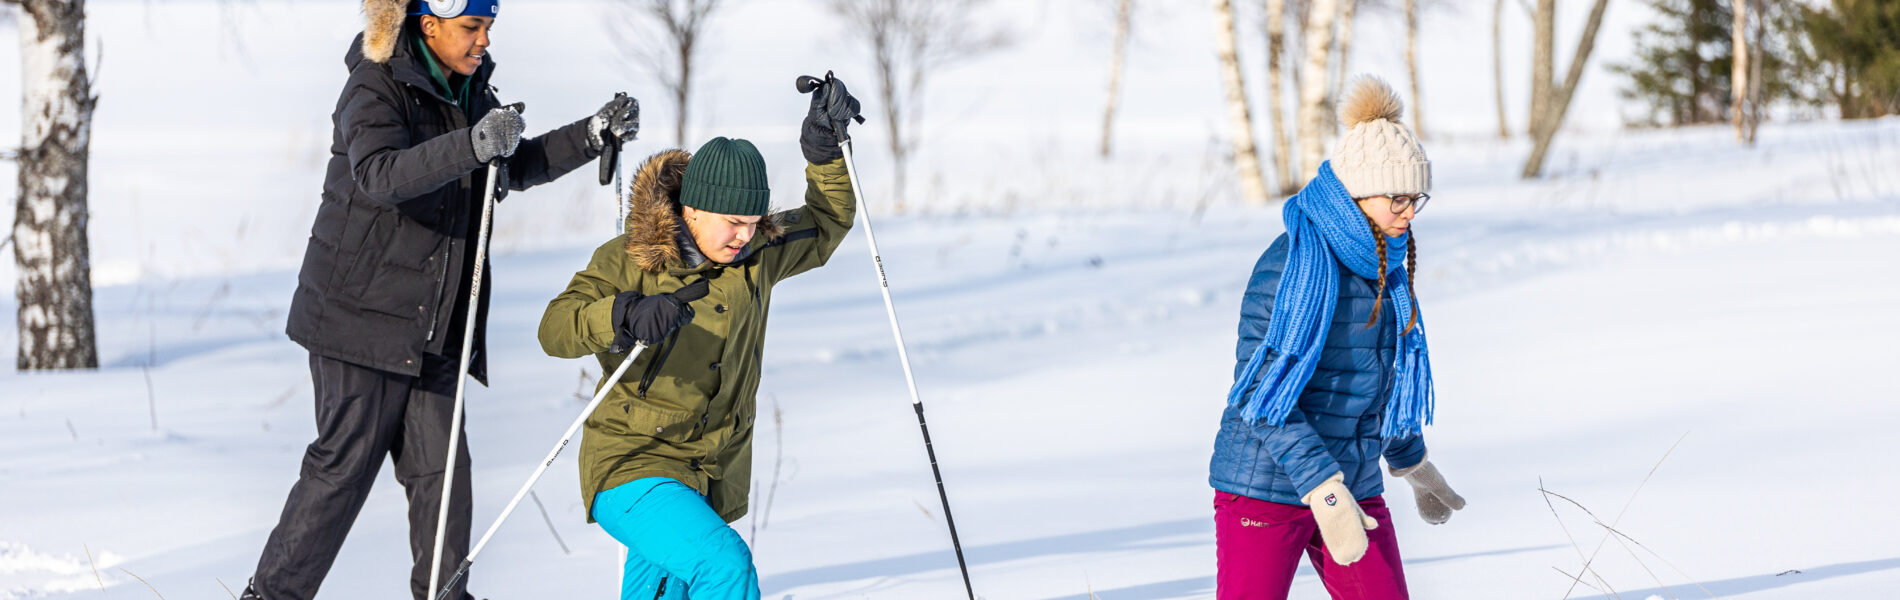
(389, 248)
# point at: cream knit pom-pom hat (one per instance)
(1378, 156)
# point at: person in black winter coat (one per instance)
(382, 297)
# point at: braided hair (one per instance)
(1411, 264)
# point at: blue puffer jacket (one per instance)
(1335, 428)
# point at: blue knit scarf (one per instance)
(1326, 227)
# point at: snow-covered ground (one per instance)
(1662, 290)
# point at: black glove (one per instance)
(649, 319)
(832, 109)
(497, 133)
(615, 123)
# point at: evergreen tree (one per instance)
(1853, 55)
(1681, 71)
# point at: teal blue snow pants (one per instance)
(677, 547)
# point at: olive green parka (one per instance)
(684, 409)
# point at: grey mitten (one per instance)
(497, 134)
(615, 123)
(1342, 524)
(1434, 497)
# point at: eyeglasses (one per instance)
(1416, 202)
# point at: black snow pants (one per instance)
(362, 414)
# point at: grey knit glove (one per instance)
(1434, 496)
(497, 134)
(617, 122)
(1342, 524)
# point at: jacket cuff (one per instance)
(834, 168)
(587, 139)
(623, 303)
(1401, 472)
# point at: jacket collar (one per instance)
(407, 67)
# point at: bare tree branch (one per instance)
(1626, 506)
(683, 23)
(1620, 535)
(1573, 540)
(910, 40)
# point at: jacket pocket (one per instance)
(667, 425)
(362, 249)
(404, 277)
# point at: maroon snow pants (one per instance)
(1258, 544)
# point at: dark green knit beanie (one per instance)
(727, 176)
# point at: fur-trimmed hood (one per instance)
(656, 235)
(382, 25)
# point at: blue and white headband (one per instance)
(449, 9)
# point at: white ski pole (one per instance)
(606, 386)
(807, 84)
(461, 376)
(620, 197)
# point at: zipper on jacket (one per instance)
(442, 274)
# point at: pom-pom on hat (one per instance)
(1378, 156)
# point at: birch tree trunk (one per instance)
(1276, 95)
(1348, 13)
(1738, 72)
(1124, 17)
(1497, 66)
(49, 229)
(1411, 66)
(1754, 70)
(1316, 122)
(1239, 119)
(1543, 60)
(1544, 125)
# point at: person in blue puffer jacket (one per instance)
(1333, 374)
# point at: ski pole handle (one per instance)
(807, 83)
(610, 152)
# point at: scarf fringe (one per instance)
(1413, 398)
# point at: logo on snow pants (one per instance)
(1246, 522)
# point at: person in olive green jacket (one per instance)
(666, 459)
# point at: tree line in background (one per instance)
(908, 41)
(1308, 49)
(1710, 61)
(1700, 62)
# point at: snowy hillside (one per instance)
(1071, 323)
